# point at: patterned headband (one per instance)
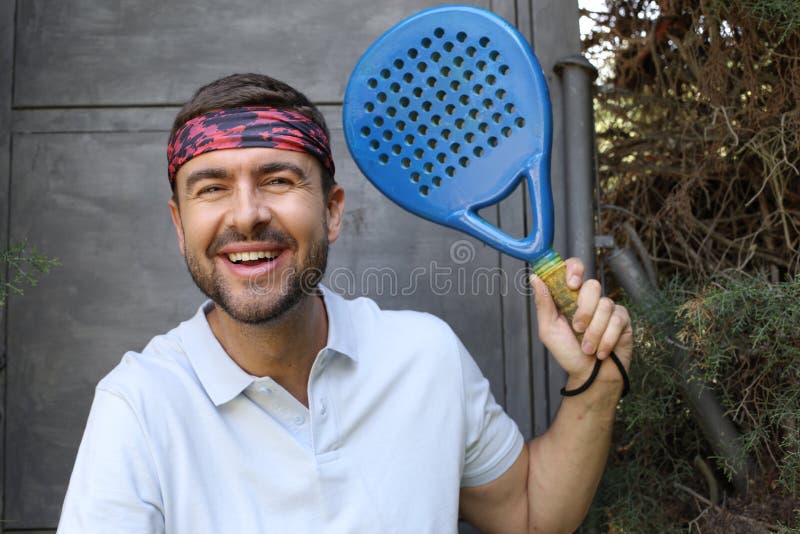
(247, 127)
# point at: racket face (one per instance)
(446, 112)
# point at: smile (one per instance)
(254, 256)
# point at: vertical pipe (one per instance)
(577, 75)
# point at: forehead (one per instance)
(245, 161)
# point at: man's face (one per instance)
(254, 227)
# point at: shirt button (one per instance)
(265, 390)
(299, 420)
(323, 409)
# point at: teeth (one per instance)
(250, 256)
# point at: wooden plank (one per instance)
(66, 120)
(123, 53)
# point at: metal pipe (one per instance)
(577, 75)
(718, 429)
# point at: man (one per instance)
(281, 407)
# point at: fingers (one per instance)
(618, 326)
(575, 272)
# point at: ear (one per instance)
(335, 211)
(175, 213)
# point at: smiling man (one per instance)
(282, 407)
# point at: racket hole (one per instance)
(413, 116)
(426, 43)
(372, 83)
(395, 87)
(399, 64)
(441, 95)
(441, 157)
(478, 151)
(494, 55)
(471, 51)
(374, 144)
(460, 123)
(431, 81)
(417, 92)
(497, 118)
(478, 89)
(400, 126)
(391, 111)
(449, 109)
(436, 119)
(473, 113)
(450, 171)
(415, 177)
(422, 66)
(484, 42)
(519, 122)
(468, 75)
(428, 167)
(427, 105)
(435, 57)
(469, 137)
(378, 121)
(386, 73)
(481, 65)
(381, 97)
(365, 131)
(387, 134)
(439, 33)
(483, 127)
(409, 139)
(487, 103)
(500, 94)
(503, 69)
(408, 77)
(454, 85)
(432, 143)
(464, 162)
(491, 79)
(455, 148)
(418, 153)
(369, 107)
(437, 181)
(510, 108)
(492, 141)
(405, 163)
(461, 37)
(464, 100)
(424, 190)
(412, 53)
(383, 158)
(458, 61)
(423, 130)
(448, 46)
(396, 149)
(506, 132)
(445, 134)
(445, 71)
(404, 101)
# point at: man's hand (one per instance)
(602, 327)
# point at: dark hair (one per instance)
(239, 90)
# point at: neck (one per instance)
(283, 349)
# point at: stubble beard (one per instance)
(270, 296)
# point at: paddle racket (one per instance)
(445, 114)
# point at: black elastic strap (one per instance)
(626, 383)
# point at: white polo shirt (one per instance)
(181, 440)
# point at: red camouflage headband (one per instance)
(247, 127)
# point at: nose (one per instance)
(248, 210)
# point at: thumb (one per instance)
(546, 311)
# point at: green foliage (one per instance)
(743, 340)
(24, 263)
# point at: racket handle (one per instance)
(553, 272)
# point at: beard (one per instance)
(268, 296)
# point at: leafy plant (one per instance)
(23, 264)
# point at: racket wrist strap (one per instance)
(626, 384)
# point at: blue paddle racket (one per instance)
(445, 114)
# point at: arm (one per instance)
(551, 485)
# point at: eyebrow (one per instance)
(203, 174)
(278, 166)
(266, 168)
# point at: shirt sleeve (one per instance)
(493, 440)
(114, 486)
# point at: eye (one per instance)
(278, 181)
(208, 190)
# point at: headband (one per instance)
(247, 127)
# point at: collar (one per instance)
(223, 379)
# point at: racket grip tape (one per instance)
(553, 272)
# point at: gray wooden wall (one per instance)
(87, 93)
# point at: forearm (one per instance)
(567, 461)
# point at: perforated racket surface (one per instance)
(446, 113)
